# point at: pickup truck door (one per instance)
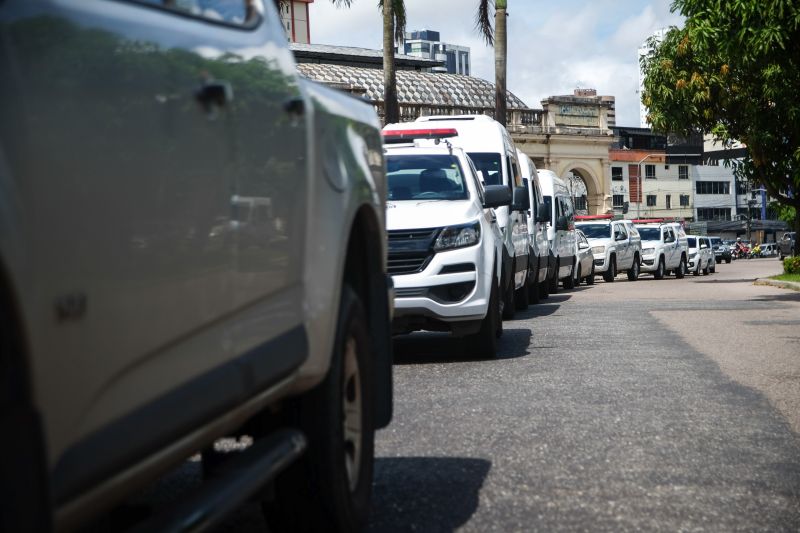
(622, 240)
(127, 148)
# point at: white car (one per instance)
(490, 147)
(445, 247)
(585, 259)
(701, 256)
(661, 250)
(616, 246)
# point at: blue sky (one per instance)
(554, 47)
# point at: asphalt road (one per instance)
(650, 405)
(647, 405)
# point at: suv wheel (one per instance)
(533, 286)
(544, 288)
(509, 308)
(633, 272)
(484, 342)
(680, 272)
(659, 273)
(521, 299)
(706, 270)
(590, 277)
(329, 488)
(611, 273)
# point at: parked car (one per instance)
(722, 251)
(661, 250)
(492, 150)
(700, 254)
(445, 247)
(585, 259)
(193, 246)
(786, 244)
(560, 230)
(769, 249)
(538, 216)
(616, 245)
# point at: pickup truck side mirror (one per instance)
(582, 246)
(521, 200)
(496, 196)
(562, 224)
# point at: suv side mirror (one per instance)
(496, 196)
(582, 245)
(562, 224)
(543, 215)
(521, 201)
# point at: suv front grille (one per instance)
(411, 250)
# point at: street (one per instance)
(668, 405)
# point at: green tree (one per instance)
(733, 71)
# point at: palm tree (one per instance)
(498, 38)
(394, 28)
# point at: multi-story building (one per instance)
(428, 44)
(295, 20)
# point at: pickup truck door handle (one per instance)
(216, 92)
(295, 106)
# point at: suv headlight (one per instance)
(598, 250)
(648, 251)
(461, 236)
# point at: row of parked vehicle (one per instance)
(476, 232)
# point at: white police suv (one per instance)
(445, 247)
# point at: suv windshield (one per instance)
(425, 177)
(596, 231)
(692, 242)
(650, 234)
(489, 163)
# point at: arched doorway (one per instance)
(579, 192)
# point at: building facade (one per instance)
(296, 21)
(427, 44)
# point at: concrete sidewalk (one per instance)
(793, 285)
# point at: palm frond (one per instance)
(399, 12)
(483, 21)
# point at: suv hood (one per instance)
(600, 241)
(413, 214)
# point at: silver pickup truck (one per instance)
(192, 247)
(786, 244)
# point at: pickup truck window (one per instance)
(596, 231)
(491, 165)
(425, 177)
(650, 234)
(233, 12)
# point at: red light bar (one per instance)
(394, 136)
(654, 220)
(593, 217)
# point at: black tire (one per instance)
(578, 277)
(728, 261)
(696, 270)
(611, 273)
(319, 492)
(680, 272)
(544, 288)
(659, 273)
(569, 281)
(521, 298)
(533, 286)
(705, 270)
(509, 307)
(552, 288)
(633, 272)
(590, 277)
(483, 344)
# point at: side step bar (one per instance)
(240, 478)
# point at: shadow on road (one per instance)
(425, 493)
(429, 347)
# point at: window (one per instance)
(683, 172)
(669, 201)
(651, 200)
(713, 187)
(491, 166)
(616, 173)
(684, 200)
(581, 203)
(618, 201)
(713, 213)
(650, 172)
(428, 177)
(235, 12)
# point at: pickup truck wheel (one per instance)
(659, 273)
(552, 287)
(484, 342)
(611, 273)
(569, 281)
(680, 272)
(705, 270)
(590, 277)
(329, 489)
(633, 272)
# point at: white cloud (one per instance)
(552, 48)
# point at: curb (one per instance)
(792, 285)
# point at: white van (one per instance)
(491, 149)
(560, 230)
(537, 230)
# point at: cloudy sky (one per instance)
(553, 47)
